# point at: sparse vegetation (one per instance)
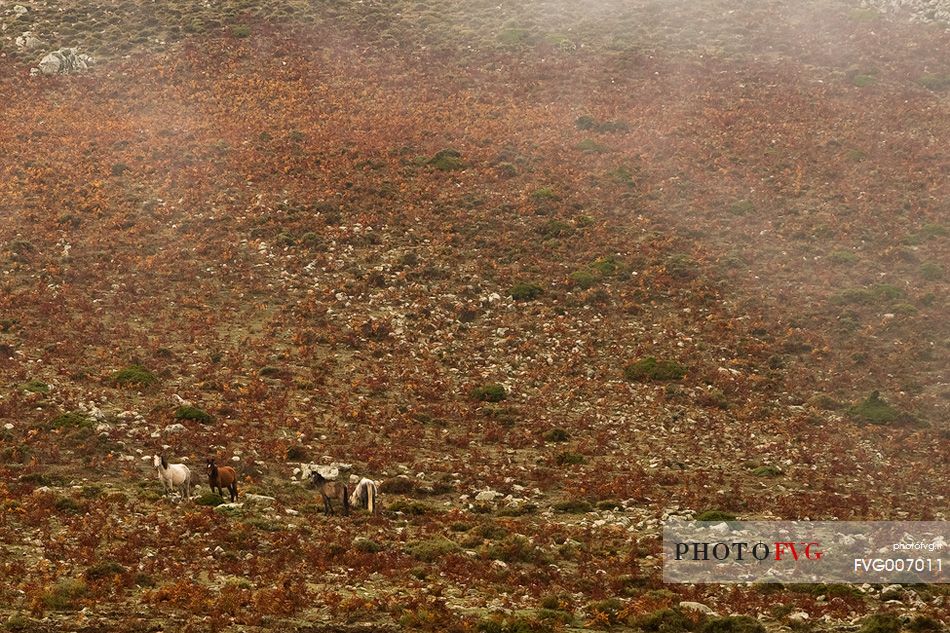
(650, 368)
(526, 291)
(133, 376)
(188, 412)
(490, 393)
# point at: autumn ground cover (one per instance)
(613, 261)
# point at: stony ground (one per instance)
(437, 242)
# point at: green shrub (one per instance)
(556, 435)
(367, 546)
(589, 123)
(568, 458)
(64, 594)
(447, 160)
(526, 291)
(666, 621)
(188, 412)
(606, 266)
(398, 486)
(583, 278)
(544, 194)
(133, 375)
(69, 505)
(591, 146)
(71, 420)
(843, 257)
(297, 454)
(874, 410)
(733, 624)
(240, 30)
(36, 386)
(413, 508)
(935, 82)
(767, 471)
(681, 266)
(881, 623)
(650, 368)
(741, 207)
(104, 569)
(209, 499)
(432, 549)
(931, 271)
(554, 229)
(862, 81)
(516, 549)
(608, 610)
(716, 515)
(574, 506)
(878, 293)
(490, 393)
(925, 624)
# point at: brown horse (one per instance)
(330, 490)
(223, 477)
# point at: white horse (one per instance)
(364, 495)
(173, 476)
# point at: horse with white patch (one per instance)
(173, 476)
(364, 495)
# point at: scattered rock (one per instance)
(175, 428)
(487, 495)
(63, 62)
(28, 41)
(798, 617)
(892, 592)
(699, 607)
(259, 500)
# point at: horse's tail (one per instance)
(371, 497)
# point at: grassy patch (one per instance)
(937, 83)
(188, 412)
(589, 123)
(556, 435)
(650, 368)
(874, 410)
(868, 295)
(667, 621)
(573, 506)
(715, 515)
(104, 569)
(71, 420)
(240, 30)
(490, 393)
(767, 471)
(526, 291)
(133, 376)
(35, 386)
(590, 146)
(446, 160)
(209, 499)
(881, 623)
(516, 549)
(568, 458)
(65, 594)
(733, 624)
(432, 549)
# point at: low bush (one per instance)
(526, 291)
(650, 368)
(432, 549)
(881, 623)
(490, 393)
(188, 412)
(574, 506)
(133, 376)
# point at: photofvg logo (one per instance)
(805, 551)
(743, 550)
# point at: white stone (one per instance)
(698, 607)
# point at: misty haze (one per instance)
(428, 315)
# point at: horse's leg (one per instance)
(346, 501)
(327, 508)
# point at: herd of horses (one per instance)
(221, 478)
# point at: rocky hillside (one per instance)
(550, 272)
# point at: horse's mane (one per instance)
(164, 462)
